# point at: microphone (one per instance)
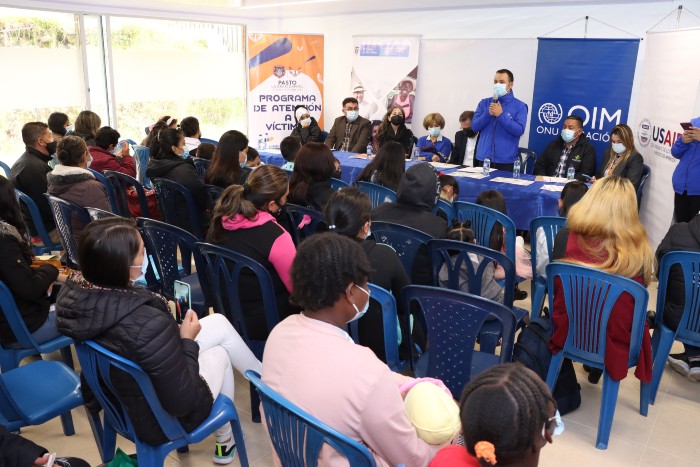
(495, 97)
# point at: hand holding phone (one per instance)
(183, 299)
(190, 326)
(686, 125)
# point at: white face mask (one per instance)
(619, 148)
(144, 268)
(434, 131)
(360, 313)
(352, 115)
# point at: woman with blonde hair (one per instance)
(603, 231)
(393, 128)
(86, 125)
(434, 147)
(621, 158)
(245, 221)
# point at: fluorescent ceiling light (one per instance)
(272, 5)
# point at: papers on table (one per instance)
(443, 165)
(358, 156)
(474, 170)
(552, 179)
(552, 187)
(468, 174)
(513, 181)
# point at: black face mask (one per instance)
(396, 120)
(469, 132)
(51, 147)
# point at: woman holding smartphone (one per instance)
(189, 366)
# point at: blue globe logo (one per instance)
(550, 113)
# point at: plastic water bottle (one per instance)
(369, 150)
(487, 166)
(570, 173)
(261, 142)
(416, 154)
(267, 140)
(516, 168)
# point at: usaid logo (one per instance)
(644, 133)
(550, 113)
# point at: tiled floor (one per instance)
(667, 437)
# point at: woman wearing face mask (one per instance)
(311, 361)
(245, 221)
(393, 128)
(306, 128)
(189, 367)
(71, 180)
(170, 160)
(230, 156)
(59, 124)
(434, 147)
(621, 158)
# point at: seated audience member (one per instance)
(166, 121)
(206, 151)
(686, 175)
(683, 236)
(465, 141)
(350, 133)
(86, 125)
(393, 128)
(570, 195)
(449, 188)
(21, 452)
(289, 147)
(189, 366)
(28, 174)
(434, 147)
(348, 213)
(229, 158)
(245, 221)
(386, 168)
(311, 361)
(337, 167)
(571, 149)
(59, 124)
(404, 98)
(109, 154)
(253, 158)
(71, 180)
(29, 286)
(190, 128)
(306, 127)
(490, 289)
(169, 161)
(373, 139)
(416, 197)
(621, 158)
(491, 405)
(310, 184)
(603, 231)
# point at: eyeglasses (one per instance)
(555, 423)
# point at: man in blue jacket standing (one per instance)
(686, 177)
(500, 121)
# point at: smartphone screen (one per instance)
(686, 125)
(183, 299)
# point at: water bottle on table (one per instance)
(267, 141)
(260, 142)
(487, 166)
(369, 150)
(415, 156)
(570, 173)
(516, 168)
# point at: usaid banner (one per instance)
(591, 78)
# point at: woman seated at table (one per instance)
(434, 147)
(393, 128)
(386, 168)
(306, 127)
(245, 221)
(230, 156)
(311, 361)
(604, 232)
(310, 184)
(621, 158)
(189, 367)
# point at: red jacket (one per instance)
(102, 160)
(617, 342)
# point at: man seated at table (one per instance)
(350, 132)
(571, 149)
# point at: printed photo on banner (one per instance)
(385, 74)
(284, 71)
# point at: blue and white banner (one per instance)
(591, 78)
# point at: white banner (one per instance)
(668, 95)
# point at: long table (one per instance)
(523, 202)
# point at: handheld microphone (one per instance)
(495, 97)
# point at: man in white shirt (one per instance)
(465, 141)
(190, 128)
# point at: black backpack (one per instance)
(531, 350)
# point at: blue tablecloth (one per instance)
(523, 202)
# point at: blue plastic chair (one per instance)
(590, 295)
(453, 321)
(406, 241)
(5, 168)
(142, 155)
(98, 364)
(33, 209)
(296, 216)
(172, 250)
(121, 184)
(215, 193)
(65, 214)
(210, 141)
(298, 436)
(550, 225)
(447, 208)
(169, 193)
(37, 392)
(378, 194)
(688, 330)
(109, 189)
(337, 184)
(201, 166)
(390, 322)
(527, 160)
(640, 190)
(483, 220)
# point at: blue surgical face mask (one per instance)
(89, 159)
(352, 115)
(500, 89)
(306, 121)
(434, 131)
(567, 135)
(619, 148)
(185, 154)
(144, 268)
(69, 128)
(360, 313)
(245, 159)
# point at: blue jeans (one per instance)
(46, 331)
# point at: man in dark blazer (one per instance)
(465, 141)
(571, 149)
(350, 132)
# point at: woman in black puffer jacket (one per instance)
(188, 366)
